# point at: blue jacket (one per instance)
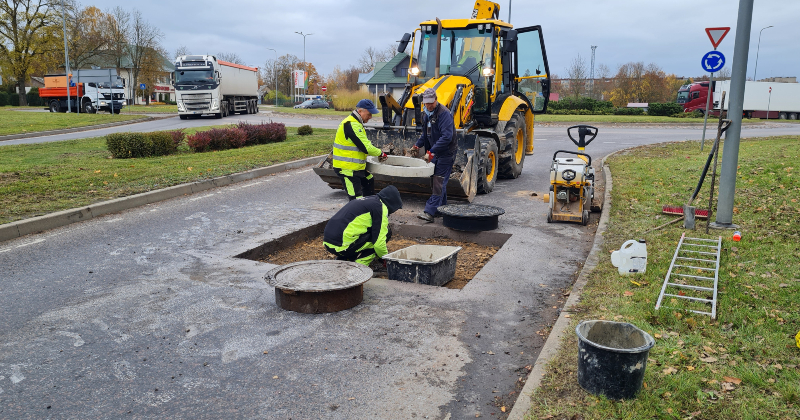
(441, 141)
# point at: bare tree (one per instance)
(372, 55)
(577, 74)
(117, 30)
(230, 57)
(27, 32)
(182, 50)
(144, 40)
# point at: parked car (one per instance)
(313, 103)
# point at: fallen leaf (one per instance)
(490, 352)
(115, 175)
(265, 352)
(783, 285)
(690, 368)
(350, 399)
(709, 359)
(657, 335)
(189, 168)
(709, 349)
(503, 409)
(732, 380)
(628, 293)
(98, 171)
(275, 377)
(669, 371)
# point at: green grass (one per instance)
(37, 179)
(316, 111)
(19, 122)
(151, 109)
(696, 365)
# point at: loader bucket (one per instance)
(396, 140)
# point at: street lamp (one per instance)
(305, 65)
(757, 51)
(275, 73)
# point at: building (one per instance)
(390, 76)
(780, 79)
(163, 89)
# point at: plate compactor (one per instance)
(572, 181)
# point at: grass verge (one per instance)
(150, 109)
(316, 111)
(37, 179)
(744, 365)
(19, 122)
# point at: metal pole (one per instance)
(305, 65)
(509, 11)
(757, 51)
(730, 159)
(66, 55)
(111, 91)
(705, 114)
(769, 101)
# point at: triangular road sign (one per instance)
(716, 35)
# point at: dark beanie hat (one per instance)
(391, 198)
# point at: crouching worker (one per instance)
(359, 230)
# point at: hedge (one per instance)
(4, 100)
(664, 109)
(263, 133)
(305, 130)
(580, 104)
(135, 145)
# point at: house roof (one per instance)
(384, 73)
(364, 77)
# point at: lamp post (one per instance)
(275, 73)
(757, 51)
(305, 65)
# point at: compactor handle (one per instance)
(573, 153)
(583, 131)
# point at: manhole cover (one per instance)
(470, 217)
(319, 286)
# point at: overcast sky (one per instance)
(668, 33)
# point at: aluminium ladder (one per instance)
(694, 267)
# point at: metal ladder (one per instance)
(698, 252)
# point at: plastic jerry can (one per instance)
(631, 257)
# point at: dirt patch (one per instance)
(469, 262)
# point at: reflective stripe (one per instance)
(350, 148)
(346, 159)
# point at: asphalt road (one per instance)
(147, 313)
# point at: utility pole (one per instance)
(730, 157)
(66, 55)
(305, 65)
(591, 95)
(275, 73)
(509, 11)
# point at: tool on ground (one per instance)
(571, 194)
(631, 257)
(694, 272)
(737, 236)
(491, 76)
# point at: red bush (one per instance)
(217, 139)
(199, 142)
(263, 133)
(178, 136)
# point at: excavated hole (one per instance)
(477, 249)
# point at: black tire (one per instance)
(550, 216)
(183, 117)
(224, 109)
(585, 218)
(782, 116)
(88, 108)
(54, 106)
(512, 157)
(218, 115)
(487, 166)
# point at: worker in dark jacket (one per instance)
(438, 139)
(350, 150)
(359, 230)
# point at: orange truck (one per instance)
(89, 91)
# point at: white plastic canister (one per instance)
(631, 257)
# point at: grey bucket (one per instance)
(612, 357)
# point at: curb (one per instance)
(553, 343)
(38, 224)
(79, 129)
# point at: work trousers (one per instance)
(360, 251)
(356, 183)
(441, 175)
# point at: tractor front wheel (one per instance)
(513, 156)
(487, 166)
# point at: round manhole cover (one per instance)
(470, 217)
(318, 276)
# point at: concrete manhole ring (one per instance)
(319, 286)
(400, 166)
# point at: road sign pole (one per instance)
(730, 157)
(769, 101)
(705, 114)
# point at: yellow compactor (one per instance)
(491, 76)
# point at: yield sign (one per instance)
(717, 34)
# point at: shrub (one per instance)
(33, 97)
(4, 99)
(693, 114)
(628, 111)
(305, 130)
(199, 142)
(263, 133)
(580, 104)
(129, 145)
(178, 136)
(346, 100)
(664, 109)
(13, 99)
(162, 143)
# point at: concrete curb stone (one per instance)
(65, 217)
(79, 129)
(561, 326)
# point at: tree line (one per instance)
(32, 34)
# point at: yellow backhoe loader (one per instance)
(492, 77)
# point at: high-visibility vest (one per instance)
(351, 146)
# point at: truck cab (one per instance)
(86, 91)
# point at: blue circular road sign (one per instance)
(142, 86)
(713, 61)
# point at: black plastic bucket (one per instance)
(612, 357)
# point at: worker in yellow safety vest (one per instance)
(350, 150)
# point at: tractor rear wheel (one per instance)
(513, 156)
(487, 166)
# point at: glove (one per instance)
(383, 157)
(428, 157)
(384, 263)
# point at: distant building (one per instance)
(390, 76)
(780, 79)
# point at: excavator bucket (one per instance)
(398, 140)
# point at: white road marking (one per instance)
(23, 245)
(114, 220)
(609, 142)
(541, 139)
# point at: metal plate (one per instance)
(318, 276)
(470, 210)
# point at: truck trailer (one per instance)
(89, 91)
(205, 85)
(771, 100)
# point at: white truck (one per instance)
(89, 91)
(205, 85)
(773, 100)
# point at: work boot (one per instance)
(425, 216)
